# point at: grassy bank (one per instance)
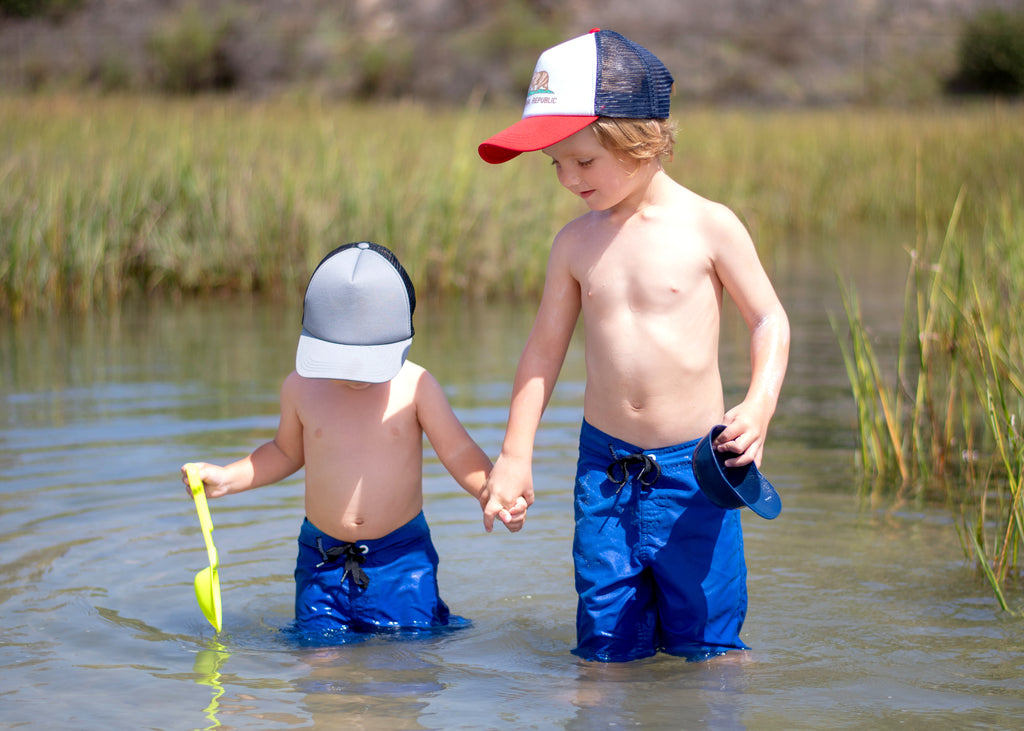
(102, 196)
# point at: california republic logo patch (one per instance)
(539, 84)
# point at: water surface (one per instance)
(861, 616)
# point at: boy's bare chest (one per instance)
(645, 276)
(358, 419)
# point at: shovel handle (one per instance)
(199, 495)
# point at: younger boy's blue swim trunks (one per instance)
(387, 583)
(659, 567)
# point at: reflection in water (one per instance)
(385, 690)
(207, 669)
(624, 693)
(860, 616)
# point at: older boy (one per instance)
(353, 413)
(658, 566)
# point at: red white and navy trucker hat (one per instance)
(601, 74)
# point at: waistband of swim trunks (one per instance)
(596, 442)
(414, 530)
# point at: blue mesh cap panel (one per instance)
(631, 81)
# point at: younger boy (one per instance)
(353, 413)
(658, 566)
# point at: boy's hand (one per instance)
(744, 435)
(508, 493)
(515, 517)
(213, 478)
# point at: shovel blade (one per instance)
(207, 585)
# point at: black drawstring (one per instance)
(354, 557)
(649, 473)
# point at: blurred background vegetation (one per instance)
(739, 51)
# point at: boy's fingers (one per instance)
(515, 517)
(728, 434)
(491, 511)
(516, 510)
(515, 525)
(732, 445)
(737, 461)
(184, 481)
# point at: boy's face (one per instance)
(591, 171)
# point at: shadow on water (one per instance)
(859, 617)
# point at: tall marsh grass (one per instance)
(944, 422)
(101, 196)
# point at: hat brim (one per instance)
(733, 487)
(529, 134)
(315, 358)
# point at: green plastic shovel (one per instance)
(207, 581)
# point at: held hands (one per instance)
(508, 493)
(514, 518)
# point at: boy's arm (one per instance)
(744, 278)
(459, 454)
(269, 463)
(538, 369)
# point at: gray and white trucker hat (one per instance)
(357, 316)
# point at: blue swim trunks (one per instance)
(658, 566)
(387, 583)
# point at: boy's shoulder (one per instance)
(677, 198)
(687, 209)
(410, 377)
(411, 370)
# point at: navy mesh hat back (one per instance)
(631, 81)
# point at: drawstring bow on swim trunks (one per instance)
(649, 472)
(354, 557)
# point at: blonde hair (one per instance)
(640, 139)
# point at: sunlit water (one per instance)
(861, 616)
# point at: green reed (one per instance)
(904, 413)
(994, 522)
(944, 421)
(104, 196)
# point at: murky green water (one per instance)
(860, 617)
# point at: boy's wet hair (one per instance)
(640, 139)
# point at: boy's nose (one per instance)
(569, 179)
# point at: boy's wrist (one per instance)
(515, 455)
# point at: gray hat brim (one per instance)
(315, 358)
